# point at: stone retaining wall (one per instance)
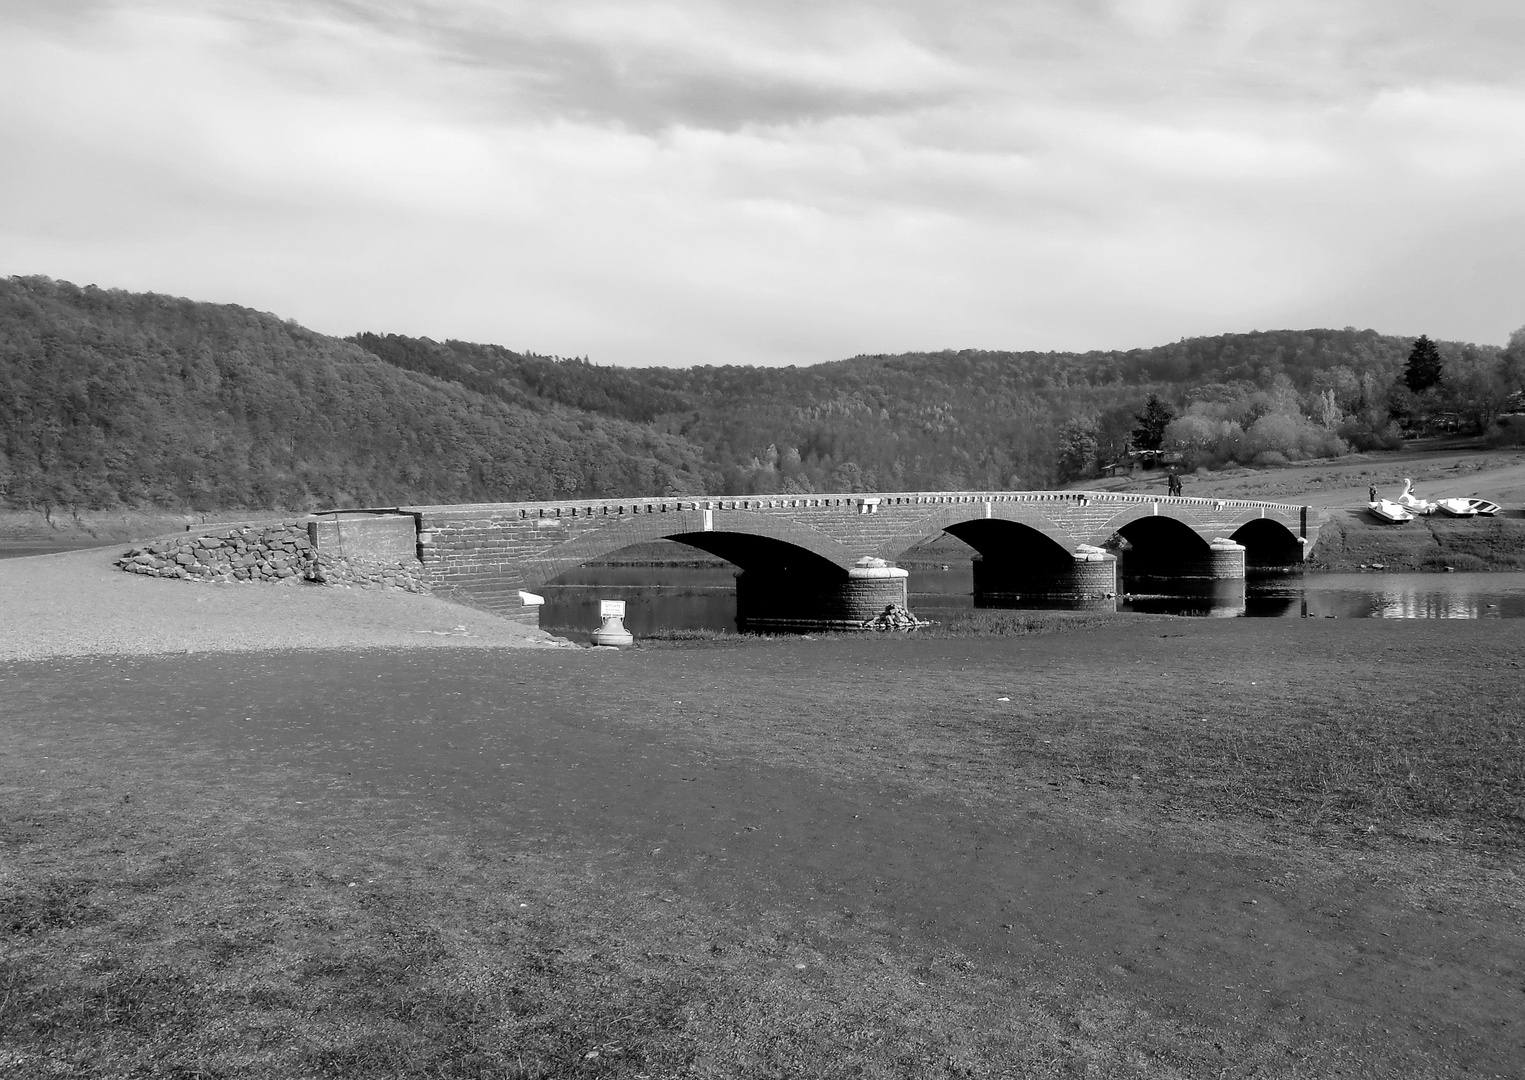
(280, 554)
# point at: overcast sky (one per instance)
(718, 181)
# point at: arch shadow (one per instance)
(779, 544)
(1161, 546)
(1269, 546)
(953, 518)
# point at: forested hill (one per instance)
(109, 398)
(968, 419)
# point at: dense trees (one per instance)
(111, 398)
(1079, 448)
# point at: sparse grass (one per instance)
(1349, 540)
(978, 623)
(1004, 623)
(186, 896)
(1312, 726)
(212, 933)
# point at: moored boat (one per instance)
(1456, 507)
(1412, 502)
(1387, 510)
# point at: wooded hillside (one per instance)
(110, 398)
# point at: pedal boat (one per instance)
(1467, 507)
(1411, 502)
(1387, 510)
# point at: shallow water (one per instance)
(673, 598)
(680, 598)
(22, 549)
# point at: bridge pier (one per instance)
(1089, 573)
(1221, 560)
(771, 601)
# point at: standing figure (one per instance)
(1372, 492)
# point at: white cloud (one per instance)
(702, 181)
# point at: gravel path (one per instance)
(77, 604)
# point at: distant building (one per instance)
(1147, 459)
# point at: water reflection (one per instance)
(1408, 596)
(656, 598)
(675, 598)
(1226, 599)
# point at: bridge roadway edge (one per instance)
(486, 554)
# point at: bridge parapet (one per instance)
(852, 503)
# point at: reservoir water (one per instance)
(676, 598)
(686, 598)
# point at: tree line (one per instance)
(110, 398)
(1452, 387)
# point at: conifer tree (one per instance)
(1152, 422)
(1423, 368)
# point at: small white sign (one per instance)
(611, 608)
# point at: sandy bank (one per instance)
(77, 604)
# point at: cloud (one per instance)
(695, 181)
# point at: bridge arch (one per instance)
(971, 518)
(764, 543)
(1184, 516)
(1018, 561)
(1010, 540)
(1268, 544)
(1160, 545)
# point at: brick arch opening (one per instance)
(1018, 562)
(1013, 543)
(950, 519)
(786, 547)
(1161, 546)
(1269, 545)
(764, 554)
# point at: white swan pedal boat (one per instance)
(1413, 503)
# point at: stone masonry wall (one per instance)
(490, 553)
(280, 554)
(277, 553)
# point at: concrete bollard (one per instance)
(612, 632)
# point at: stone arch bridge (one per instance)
(828, 560)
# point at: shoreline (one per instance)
(78, 603)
